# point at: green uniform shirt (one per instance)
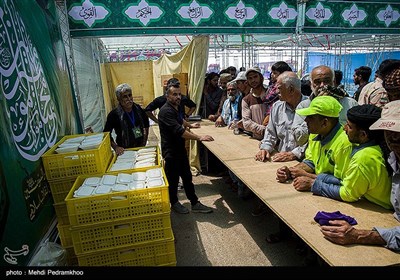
(366, 175)
(329, 155)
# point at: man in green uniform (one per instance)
(328, 150)
(366, 175)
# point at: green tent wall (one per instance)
(37, 108)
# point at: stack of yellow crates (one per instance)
(124, 226)
(119, 164)
(62, 169)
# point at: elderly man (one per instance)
(128, 120)
(278, 137)
(271, 95)
(341, 232)
(322, 79)
(231, 109)
(222, 82)
(244, 89)
(253, 108)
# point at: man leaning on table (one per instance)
(278, 137)
(159, 101)
(343, 233)
(174, 129)
(366, 175)
(328, 148)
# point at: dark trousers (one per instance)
(175, 168)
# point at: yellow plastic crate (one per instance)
(112, 235)
(61, 213)
(60, 188)
(116, 205)
(158, 160)
(71, 165)
(152, 254)
(65, 235)
(72, 260)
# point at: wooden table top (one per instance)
(297, 209)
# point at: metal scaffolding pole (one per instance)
(64, 26)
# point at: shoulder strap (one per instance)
(138, 112)
(369, 96)
(239, 109)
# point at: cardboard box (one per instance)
(182, 77)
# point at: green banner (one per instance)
(127, 17)
(352, 17)
(37, 109)
(141, 17)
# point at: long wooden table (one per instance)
(297, 209)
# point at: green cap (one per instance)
(326, 106)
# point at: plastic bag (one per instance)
(50, 254)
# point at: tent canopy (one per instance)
(324, 42)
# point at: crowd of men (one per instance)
(347, 147)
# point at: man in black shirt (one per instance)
(129, 121)
(173, 131)
(158, 102)
(361, 77)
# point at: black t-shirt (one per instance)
(171, 128)
(357, 92)
(124, 127)
(158, 102)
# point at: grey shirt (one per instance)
(278, 136)
(392, 235)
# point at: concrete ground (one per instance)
(230, 236)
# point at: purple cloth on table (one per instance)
(323, 218)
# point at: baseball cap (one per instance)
(253, 69)
(326, 106)
(241, 76)
(390, 117)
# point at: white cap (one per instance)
(390, 117)
(241, 76)
(253, 69)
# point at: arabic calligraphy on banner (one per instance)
(125, 17)
(355, 17)
(30, 108)
(37, 108)
(35, 190)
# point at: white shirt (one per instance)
(278, 134)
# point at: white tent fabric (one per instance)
(90, 95)
(192, 59)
